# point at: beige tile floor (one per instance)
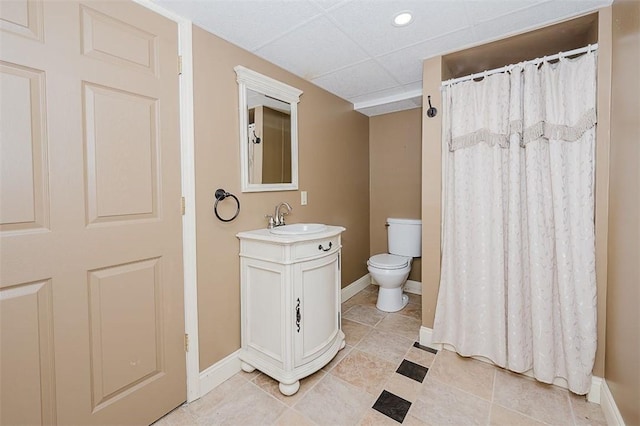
(456, 390)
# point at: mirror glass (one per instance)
(269, 144)
(268, 132)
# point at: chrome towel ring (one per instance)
(220, 195)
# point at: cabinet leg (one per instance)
(289, 390)
(246, 367)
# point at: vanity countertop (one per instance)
(265, 235)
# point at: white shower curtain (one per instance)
(518, 257)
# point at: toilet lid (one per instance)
(388, 261)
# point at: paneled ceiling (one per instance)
(351, 47)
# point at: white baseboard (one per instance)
(426, 338)
(609, 407)
(219, 372)
(413, 287)
(595, 393)
(355, 287)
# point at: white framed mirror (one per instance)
(268, 112)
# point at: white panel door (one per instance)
(91, 287)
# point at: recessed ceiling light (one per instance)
(402, 18)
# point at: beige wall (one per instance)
(395, 146)
(334, 169)
(431, 189)
(622, 361)
(602, 178)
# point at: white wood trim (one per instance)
(414, 287)
(609, 407)
(219, 372)
(187, 140)
(189, 218)
(248, 79)
(355, 287)
(267, 85)
(411, 286)
(426, 338)
(595, 393)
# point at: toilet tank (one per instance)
(405, 237)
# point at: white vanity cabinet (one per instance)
(290, 296)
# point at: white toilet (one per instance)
(391, 270)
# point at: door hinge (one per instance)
(186, 342)
(179, 64)
(183, 206)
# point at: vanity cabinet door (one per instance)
(317, 307)
(263, 295)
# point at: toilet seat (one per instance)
(388, 261)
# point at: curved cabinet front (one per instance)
(290, 291)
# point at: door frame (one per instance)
(187, 163)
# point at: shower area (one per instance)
(519, 230)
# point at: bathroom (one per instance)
(359, 191)
(349, 168)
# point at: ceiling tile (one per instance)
(350, 47)
(245, 23)
(369, 23)
(480, 11)
(313, 49)
(406, 64)
(328, 4)
(356, 80)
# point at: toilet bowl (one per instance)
(391, 270)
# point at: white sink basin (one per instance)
(298, 229)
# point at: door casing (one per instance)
(187, 141)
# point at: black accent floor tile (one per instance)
(392, 406)
(424, 348)
(412, 370)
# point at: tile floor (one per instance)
(383, 377)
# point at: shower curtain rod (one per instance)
(508, 68)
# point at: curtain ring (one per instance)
(220, 195)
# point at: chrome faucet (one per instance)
(278, 217)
